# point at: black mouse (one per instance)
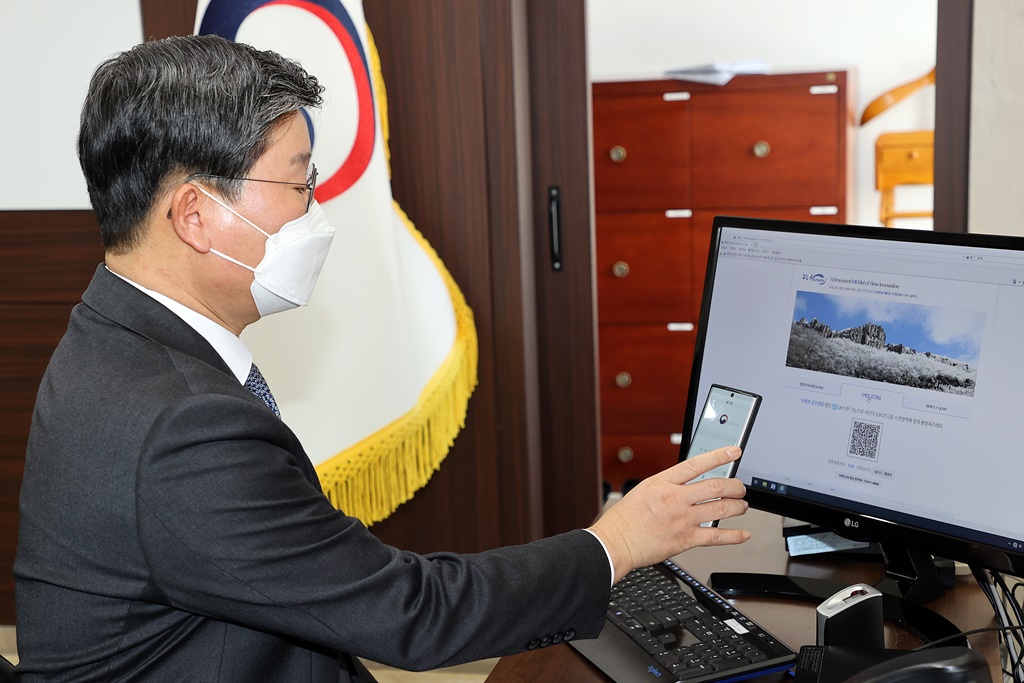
(934, 665)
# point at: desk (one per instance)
(792, 621)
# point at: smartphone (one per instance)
(726, 420)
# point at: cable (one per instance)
(968, 633)
(990, 583)
(1009, 597)
(1015, 650)
(1013, 647)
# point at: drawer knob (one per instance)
(623, 380)
(618, 154)
(913, 154)
(625, 454)
(762, 149)
(620, 269)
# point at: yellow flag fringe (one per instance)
(372, 478)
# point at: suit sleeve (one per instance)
(232, 529)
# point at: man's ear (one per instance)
(186, 215)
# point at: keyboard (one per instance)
(663, 624)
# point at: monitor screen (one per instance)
(891, 365)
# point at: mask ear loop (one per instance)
(220, 253)
(221, 202)
(235, 261)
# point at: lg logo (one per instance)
(851, 523)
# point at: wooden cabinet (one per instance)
(668, 157)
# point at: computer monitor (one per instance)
(891, 365)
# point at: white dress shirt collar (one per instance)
(230, 348)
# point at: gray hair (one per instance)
(171, 108)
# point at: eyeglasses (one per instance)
(310, 183)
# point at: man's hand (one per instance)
(661, 517)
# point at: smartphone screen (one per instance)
(726, 421)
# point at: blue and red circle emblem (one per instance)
(224, 17)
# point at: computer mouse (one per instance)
(934, 665)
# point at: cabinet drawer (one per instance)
(641, 153)
(766, 148)
(626, 457)
(904, 159)
(645, 268)
(644, 378)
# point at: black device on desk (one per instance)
(664, 624)
(889, 364)
(831, 664)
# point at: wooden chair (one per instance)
(905, 158)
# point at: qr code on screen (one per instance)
(864, 439)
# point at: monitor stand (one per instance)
(911, 578)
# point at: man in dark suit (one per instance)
(172, 528)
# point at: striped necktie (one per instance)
(258, 386)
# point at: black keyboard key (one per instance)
(648, 621)
(692, 672)
(619, 614)
(666, 619)
(730, 663)
(666, 659)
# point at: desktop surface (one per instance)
(792, 621)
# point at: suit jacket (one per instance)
(173, 529)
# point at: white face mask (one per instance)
(291, 262)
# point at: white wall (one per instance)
(888, 43)
(997, 118)
(48, 51)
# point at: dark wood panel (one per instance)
(644, 269)
(519, 455)
(458, 177)
(641, 153)
(49, 256)
(161, 18)
(440, 177)
(953, 69)
(560, 139)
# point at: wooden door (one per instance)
(503, 120)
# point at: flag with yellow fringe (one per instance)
(375, 375)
